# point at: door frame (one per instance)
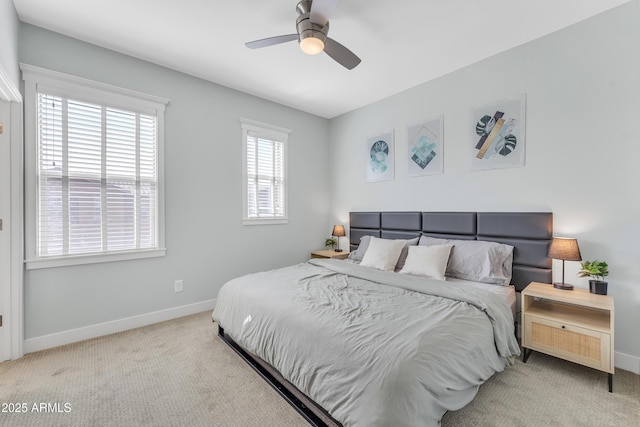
(12, 280)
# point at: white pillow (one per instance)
(382, 254)
(358, 254)
(429, 261)
(403, 254)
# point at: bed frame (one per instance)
(312, 412)
(529, 233)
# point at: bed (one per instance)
(356, 344)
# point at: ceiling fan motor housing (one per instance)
(305, 27)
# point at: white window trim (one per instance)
(277, 133)
(88, 91)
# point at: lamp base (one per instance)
(563, 286)
(338, 250)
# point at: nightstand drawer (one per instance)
(586, 346)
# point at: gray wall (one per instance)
(583, 110)
(9, 25)
(205, 239)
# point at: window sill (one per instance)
(51, 262)
(265, 221)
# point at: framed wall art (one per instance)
(425, 147)
(380, 157)
(499, 134)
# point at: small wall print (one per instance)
(425, 147)
(380, 158)
(499, 135)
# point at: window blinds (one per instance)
(97, 178)
(265, 177)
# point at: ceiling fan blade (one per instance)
(341, 54)
(270, 41)
(321, 11)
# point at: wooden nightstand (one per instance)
(572, 325)
(329, 253)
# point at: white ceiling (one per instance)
(401, 43)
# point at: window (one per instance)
(94, 171)
(265, 173)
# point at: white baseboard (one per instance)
(94, 331)
(627, 362)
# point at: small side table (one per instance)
(329, 253)
(572, 325)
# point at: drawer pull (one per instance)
(562, 326)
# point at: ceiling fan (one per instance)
(312, 25)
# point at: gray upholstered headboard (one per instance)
(529, 233)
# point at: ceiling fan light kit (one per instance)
(312, 45)
(312, 27)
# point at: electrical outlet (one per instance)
(179, 285)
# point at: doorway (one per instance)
(11, 233)
(5, 234)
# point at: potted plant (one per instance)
(331, 242)
(597, 270)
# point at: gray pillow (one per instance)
(361, 249)
(431, 241)
(477, 260)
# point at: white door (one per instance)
(5, 234)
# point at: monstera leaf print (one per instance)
(499, 139)
(485, 125)
(506, 145)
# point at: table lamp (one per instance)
(566, 250)
(338, 231)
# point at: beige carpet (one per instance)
(178, 373)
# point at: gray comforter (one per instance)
(373, 348)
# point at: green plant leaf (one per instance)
(595, 269)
